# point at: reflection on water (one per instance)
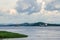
(35, 33)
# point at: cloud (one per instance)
(28, 6)
(7, 12)
(7, 7)
(53, 5)
(50, 16)
(8, 4)
(42, 11)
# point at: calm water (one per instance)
(35, 33)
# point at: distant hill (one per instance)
(39, 24)
(32, 24)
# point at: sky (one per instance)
(31, 11)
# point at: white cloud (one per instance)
(29, 6)
(53, 5)
(5, 12)
(40, 9)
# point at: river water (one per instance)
(34, 33)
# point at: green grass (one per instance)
(5, 34)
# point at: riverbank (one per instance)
(6, 34)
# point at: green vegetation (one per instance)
(5, 34)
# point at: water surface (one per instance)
(35, 33)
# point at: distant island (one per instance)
(32, 24)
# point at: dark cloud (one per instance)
(52, 5)
(32, 6)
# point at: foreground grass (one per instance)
(5, 34)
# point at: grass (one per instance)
(5, 34)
